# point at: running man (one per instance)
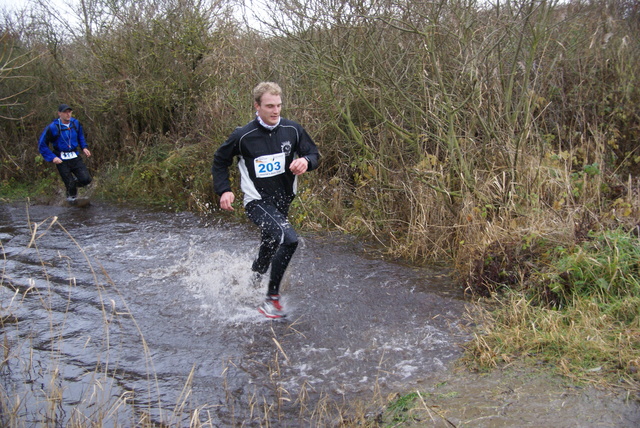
(272, 152)
(66, 137)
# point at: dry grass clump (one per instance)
(559, 273)
(580, 342)
(579, 314)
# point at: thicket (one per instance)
(486, 134)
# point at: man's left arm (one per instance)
(307, 151)
(82, 141)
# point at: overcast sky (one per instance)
(18, 4)
(12, 5)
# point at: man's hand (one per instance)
(299, 166)
(87, 152)
(226, 199)
(57, 160)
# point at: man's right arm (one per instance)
(43, 147)
(222, 160)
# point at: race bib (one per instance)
(269, 165)
(68, 155)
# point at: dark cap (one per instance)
(64, 107)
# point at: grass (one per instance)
(413, 409)
(399, 409)
(11, 189)
(173, 178)
(580, 315)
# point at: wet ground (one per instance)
(157, 309)
(516, 397)
(122, 314)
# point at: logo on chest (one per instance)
(285, 146)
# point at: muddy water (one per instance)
(118, 314)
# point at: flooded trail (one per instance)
(126, 313)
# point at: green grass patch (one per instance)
(14, 190)
(398, 410)
(604, 270)
(589, 330)
(176, 180)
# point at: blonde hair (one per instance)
(265, 87)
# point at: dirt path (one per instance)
(516, 398)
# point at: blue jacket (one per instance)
(62, 138)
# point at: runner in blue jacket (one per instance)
(66, 138)
(272, 152)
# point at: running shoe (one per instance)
(271, 308)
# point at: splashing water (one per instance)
(161, 309)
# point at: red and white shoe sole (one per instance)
(270, 315)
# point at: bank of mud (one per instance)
(515, 396)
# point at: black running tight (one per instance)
(74, 174)
(278, 241)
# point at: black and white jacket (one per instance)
(264, 157)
